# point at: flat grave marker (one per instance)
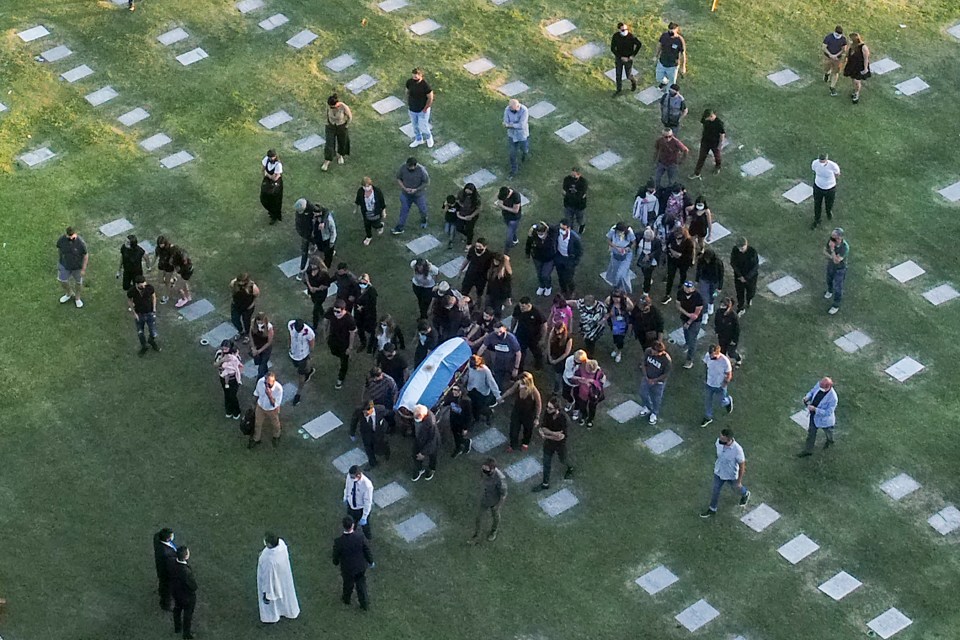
(478, 66)
(415, 527)
(889, 622)
(421, 245)
(309, 142)
(696, 615)
(797, 549)
(246, 6)
(33, 33)
(290, 267)
(802, 419)
(77, 73)
(172, 36)
(524, 469)
(447, 152)
(798, 193)
(760, 518)
(424, 27)
(451, 269)
(676, 336)
(784, 286)
(407, 130)
(389, 494)
(663, 442)
(717, 232)
(387, 105)
(322, 425)
(945, 521)
(355, 456)
(559, 502)
(134, 116)
(221, 332)
(951, 193)
(541, 109)
(612, 74)
(883, 66)
(954, 31)
(853, 341)
(274, 21)
(912, 86)
(341, 62)
(560, 28)
(361, 83)
(276, 119)
(906, 271)
(194, 55)
(102, 95)
(756, 167)
(904, 369)
(625, 411)
(481, 178)
(649, 95)
(392, 5)
(155, 141)
(605, 160)
(57, 53)
(176, 159)
(899, 486)
(840, 586)
(487, 440)
(572, 131)
(116, 227)
(302, 39)
(655, 581)
(939, 295)
(33, 158)
(512, 89)
(783, 77)
(588, 51)
(197, 310)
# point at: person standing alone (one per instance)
(337, 144)
(276, 591)
(711, 141)
(419, 105)
(493, 493)
(673, 108)
(837, 252)
(575, 199)
(72, 266)
(413, 180)
(271, 188)
(624, 46)
(826, 172)
(358, 496)
(745, 263)
(821, 404)
(729, 468)
(351, 552)
(516, 120)
(142, 303)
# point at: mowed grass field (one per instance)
(101, 448)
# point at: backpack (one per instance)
(247, 422)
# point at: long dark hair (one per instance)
(474, 196)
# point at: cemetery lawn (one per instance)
(102, 448)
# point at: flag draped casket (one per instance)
(434, 376)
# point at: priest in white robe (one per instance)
(275, 590)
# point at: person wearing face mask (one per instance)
(164, 253)
(393, 364)
(348, 285)
(365, 314)
(553, 430)
(358, 498)
(426, 342)
(340, 329)
(448, 317)
(668, 153)
(318, 281)
(413, 180)
(681, 255)
(388, 331)
(541, 247)
(530, 328)
(690, 305)
(727, 325)
(132, 258)
(261, 337)
(505, 354)
(620, 240)
(646, 206)
(426, 443)
(373, 420)
(673, 108)
(230, 370)
(468, 210)
(493, 493)
(709, 278)
(304, 212)
(460, 416)
(271, 188)
(424, 280)
(516, 122)
(589, 379)
(591, 313)
(699, 222)
(482, 388)
(508, 201)
(649, 254)
(837, 251)
(821, 404)
(719, 375)
(654, 371)
(475, 268)
(164, 555)
(372, 206)
(834, 49)
(500, 283)
(620, 307)
(575, 188)
(647, 321)
(670, 57)
(674, 203)
(570, 367)
(302, 340)
(525, 415)
(325, 233)
(745, 263)
(730, 467)
(481, 325)
(277, 595)
(569, 252)
(711, 141)
(142, 303)
(624, 46)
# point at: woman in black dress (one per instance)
(526, 411)
(500, 283)
(164, 252)
(858, 65)
(243, 295)
(468, 210)
(271, 188)
(365, 315)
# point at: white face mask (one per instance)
(837, 35)
(824, 390)
(260, 326)
(364, 285)
(383, 325)
(699, 207)
(623, 31)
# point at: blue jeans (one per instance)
(511, 234)
(835, 278)
(707, 291)
(521, 146)
(690, 338)
(669, 169)
(421, 125)
(406, 201)
(665, 74)
(263, 362)
(717, 486)
(710, 394)
(148, 321)
(544, 272)
(651, 395)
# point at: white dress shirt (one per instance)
(300, 341)
(364, 496)
(826, 173)
(261, 394)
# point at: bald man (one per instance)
(821, 403)
(516, 120)
(426, 443)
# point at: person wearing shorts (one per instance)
(72, 266)
(834, 48)
(671, 57)
(164, 252)
(302, 339)
(184, 267)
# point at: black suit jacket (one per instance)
(163, 555)
(183, 584)
(366, 433)
(351, 552)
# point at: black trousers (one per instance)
(536, 350)
(163, 589)
(318, 300)
(424, 298)
(358, 581)
(374, 443)
(624, 68)
(337, 141)
(231, 404)
(183, 616)
(357, 515)
(459, 440)
(369, 225)
(518, 421)
(565, 275)
(327, 249)
(823, 197)
(340, 351)
(675, 267)
(647, 278)
(745, 292)
(470, 281)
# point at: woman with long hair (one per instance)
(468, 210)
(525, 415)
(337, 132)
(230, 370)
(858, 65)
(261, 338)
(620, 240)
(619, 309)
(243, 295)
(589, 379)
(500, 282)
(699, 223)
(559, 345)
(424, 280)
(271, 187)
(482, 388)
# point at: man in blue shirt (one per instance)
(516, 120)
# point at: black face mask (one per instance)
(488, 471)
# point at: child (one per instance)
(450, 210)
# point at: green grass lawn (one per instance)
(101, 448)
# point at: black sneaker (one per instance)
(309, 375)
(744, 499)
(429, 475)
(155, 347)
(730, 406)
(705, 422)
(296, 399)
(633, 84)
(469, 446)
(707, 513)
(666, 300)
(804, 454)
(541, 487)
(826, 77)
(456, 452)
(339, 385)
(143, 351)
(275, 442)
(833, 92)
(397, 231)
(568, 474)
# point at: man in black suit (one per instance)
(351, 552)
(164, 554)
(184, 588)
(371, 420)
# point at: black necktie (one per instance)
(354, 494)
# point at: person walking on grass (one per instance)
(340, 330)
(413, 180)
(647, 322)
(184, 268)
(541, 247)
(670, 57)
(261, 339)
(168, 278)
(649, 255)
(325, 233)
(691, 306)
(730, 467)
(858, 65)
(655, 369)
(337, 132)
(302, 341)
(727, 325)
(525, 415)
(646, 205)
(164, 556)
(493, 493)
(589, 379)
(516, 120)
(184, 589)
(468, 210)
(530, 328)
(373, 421)
(559, 348)
(826, 172)
(318, 281)
(132, 257)
(711, 141)
(553, 429)
(620, 241)
(699, 221)
(72, 265)
(460, 418)
(624, 46)
(365, 314)
(834, 48)
(505, 354)
(276, 593)
(591, 314)
(358, 498)
(620, 308)
(424, 280)
(567, 257)
(570, 367)
(709, 279)
(508, 201)
(681, 253)
(420, 108)
(821, 404)
(230, 368)
(426, 443)
(475, 268)
(837, 252)
(482, 388)
(719, 375)
(372, 207)
(745, 263)
(575, 188)
(450, 219)
(269, 395)
(673, 109)
(243, 295)
(271, 187)
(142, 303)
(351, 552)
(303, 212)
(668, 153)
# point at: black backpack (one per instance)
(246, 422)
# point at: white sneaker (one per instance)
(827, 295)
(832, 311)
(79, 303)
(415, 144)
(644, 412)
(539, 291)
(709, 309)
(300, 276)
(705, 319)
(430, 142)
(65, 298)
(548, 291)
(653, 418)
(619, 357)
(613, 354)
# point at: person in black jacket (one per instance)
(460, 417)
(746, 266)
(372, 207)
(351, 552)
(426, 442)
(541, 246)
(569, 252)
(727, 325)
(184, 588)
(304, 211)
(426, 342)
(709, 277)
(164, 555)
(647, 321)
(624, 46)
(365, 314)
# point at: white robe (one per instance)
(275, 578)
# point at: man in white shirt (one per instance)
(302, 339)
(269, 395)
(719, 375)
(730, 466)
(824, 186)
(358, 496)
